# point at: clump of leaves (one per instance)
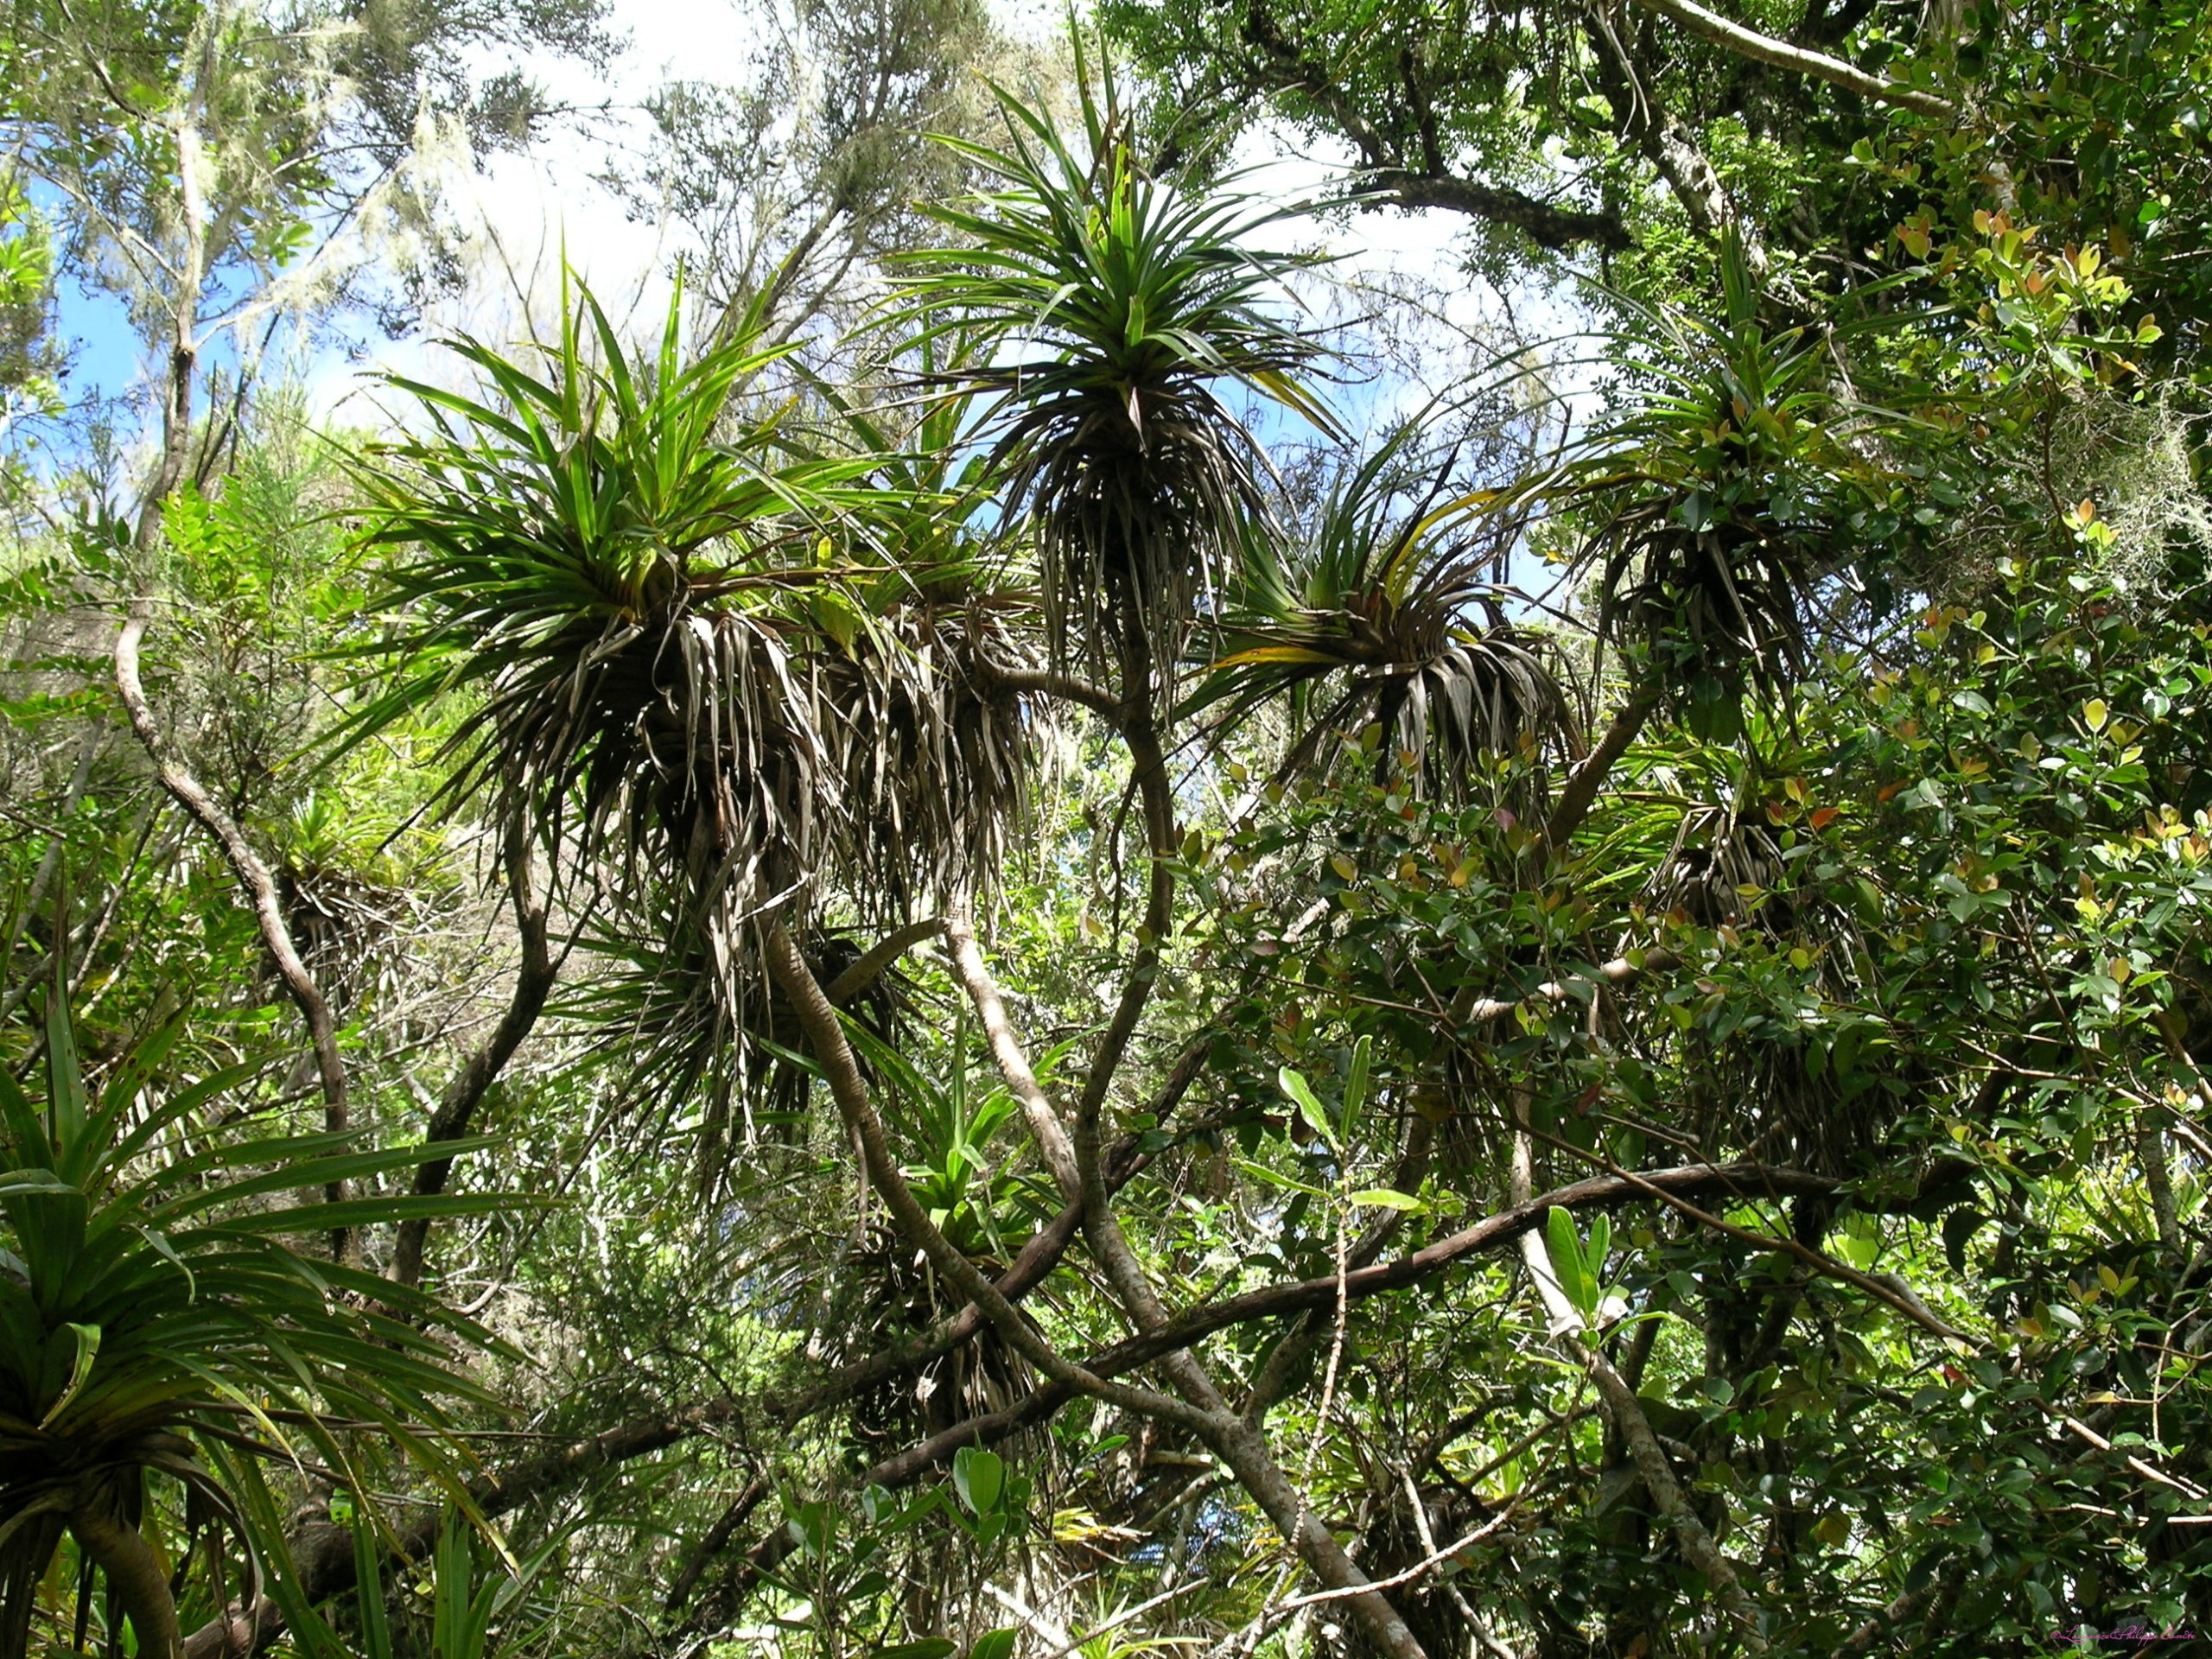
(687, 667)
(1123, 303)
(1723, 502)
(153, 1319)
(1387, 613)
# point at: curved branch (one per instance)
(1066, 687)
(533, 984)
(1579, 792)
(1288, 68)
(1781, 54)
(825, 1036)
(1546, 224)
(1045, 1125)
(1601, 1192)
(878, 959)
(1626, 1414)
(323, 1553)
(1157, 793)
(261, 890)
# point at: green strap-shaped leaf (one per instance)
(1309, 1105)
(1564, 1246)
(87, 1337)
(1383, 1198)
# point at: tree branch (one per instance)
(1066, 687)
(1468, 1009)
(1602, 1191)
(134, 1576)
(1544, 223)
(1579, 793)
(1781, 54)
(1045, 1125)
(825, 1036)
(1625, 1411)
(533, 984)
(1288, 68)
(261, 890)
(878, 959)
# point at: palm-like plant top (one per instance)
(1123, 306)
(153, 1318)
(716, 669)
(1737, 486)
(616, 582)
(1388, 612)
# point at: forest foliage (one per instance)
(992, 945)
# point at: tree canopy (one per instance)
(992, 947)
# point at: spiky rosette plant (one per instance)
(693, 1067)
(578, 551)
(947, 1128)
(720, 670)
(1725, 504)
(1123, 309)
(1716, 840)
(155, 1321)
(918, 699)
(933, 749)
(1387, 612)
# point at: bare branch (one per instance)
(1764, 49)
(533, 984)
(260, 888)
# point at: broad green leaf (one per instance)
(86, 1339)
(1564, 1246)
(978, 1476)
(1309, 1105)
(1356, 1081)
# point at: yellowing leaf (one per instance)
(1381, 1197)
(2094, 714)
(1276, 654)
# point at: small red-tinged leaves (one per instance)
(1824, 815)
